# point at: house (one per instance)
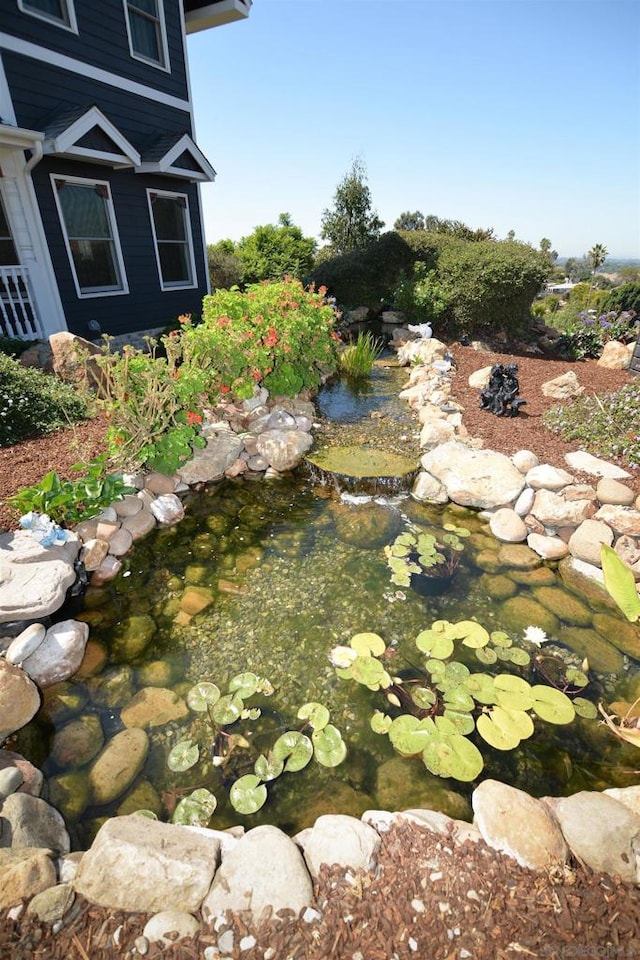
(100, 215)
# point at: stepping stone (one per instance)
(585, 462)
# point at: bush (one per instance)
(626, 297)
(421, 297)
(585, 335)
(33, 402)
(13, 346)
(601, 424)
(365, 277)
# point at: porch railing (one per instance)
(18, 313)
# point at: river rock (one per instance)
(178, 923)
(523, 504)
(564, 605)
(546, 477)
(524, 460)
(26, 643)
(427, 489)
(585, 543)
(153, 707)
(563, 387)
(210, 463)
(28, 821)
(603, 657)
(114, 687)
(628, 549)
(549, 548)
(401, 783)
(283, 449)
(421, 351)
(141, 524)
(60, 653)
(118, 765)
(177, 865)
(120, 543)
(143, 796)
(517, 557)
(265, 869)
(614, 847)
(78, 742)
(587, 463)
(51, 904)
(19, 699)
(70, 793)
(365, 525)
(505, 524)
(623, 520)
(159, 484)
(132, 636)
(479, 379)
(551, 509)
(10, 781)
(523, 611)
(167, 509)
(25, 872)
(93, 553)
(474, 478)
(518, 825)
(497, 586)
(108, 570)
(623, 635)
(335, 838)
(34, 579)
(615, 492)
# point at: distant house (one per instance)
(560, 289)
(100, 215)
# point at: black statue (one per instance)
(500, 396)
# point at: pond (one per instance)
(267, 577)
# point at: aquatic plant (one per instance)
(414, 553)
(620, 583)
(628, 716)
(357, 359)
(231, 751)
(434, 713)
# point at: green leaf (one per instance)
(458, 698)
(435, 644)
(423, 697)
(195, 810)
(202, 696)
(368, 644)
(500, 639)
(519, 657)
(513, 692)
(504, 728)
(471, 633)
(316, 713)
(486, 655)
(248, 794)
(370, 672)
(620, 583)
(461, 720)
(481, 687)
(227, 710)
(329, 747)
(183, 756)
(576, 677)
(454, 674)
(294, 748)
(585, 708)
(268, 768)
(244, 684)
(380, 722)
(552, 705)
(453, 756)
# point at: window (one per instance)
(90, 232)
(147, 35)
(172, 235)
(8, 255)
(60, 12)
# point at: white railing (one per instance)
(18, 313)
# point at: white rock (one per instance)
(623, 520)
(170, 921)
(546, 477)
(480, 378)
(428, 490)
(587, 463)
(60, 653)
(613, 492)
(505, 524)
(524, 503)
(550, 548)
(337, 838)
(26, 643)
(524, 460)
(563, 387)
(586, 541)
(167, 508)
(474, 478)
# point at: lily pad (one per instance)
(316, 714)
(329, 747)
(504, 728)
(227, 710)
(481, 687)
(552, 705)
(585, 708)
(471, 633)
(519, 657)
(203, 696)
(380, 722)
(195, 810)
(423, 697)
(244, 685)
(513, 692)
(294, 748)
(368, 644)
(248, 794)
(268, 768)
(462, 720)
(183, 756)
(435, 644)
(371, 673)
(453, 756)
(486, 655)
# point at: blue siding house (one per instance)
(100, 215)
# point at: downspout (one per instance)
(36, 156)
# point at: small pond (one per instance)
(269, 576)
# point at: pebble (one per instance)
(142, 945)
(225, 942)
(418, 906)
(247, 942)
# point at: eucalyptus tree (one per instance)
(351, 224)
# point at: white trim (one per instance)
(187, 222)
(164, 49)
(44, 55)
(114, 236)
(72, 26)
(166, 163)
(66, 141)
(18, 138)
(215, 14)
(7, 112)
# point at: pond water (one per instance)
(289, 569)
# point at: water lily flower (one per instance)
(343, 657)
(535, 635)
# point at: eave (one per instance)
(205, 15)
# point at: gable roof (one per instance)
(86, 134)
(204, 14)
(176, 155)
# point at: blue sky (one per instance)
(515, 114)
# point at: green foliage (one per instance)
(606, 426)
(351, 224)
(33, 402)
(69, 501)
(357, 359)
(458, 229)
(585, 334)
(420, 296)
(585, 297)
(416, 552)
(225, 267)
(620, 583)
(273, 252)
(410, 221)
(596, 256)
(626, 297)
(432, 713)
(366, 277)
(232, 751)
(13, 346)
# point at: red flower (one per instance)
(224, 389)
(223, 321)
(256, 374)
(272, 338)
(193, 418)
(184, 318)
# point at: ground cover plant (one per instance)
(33, 402)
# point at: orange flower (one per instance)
(193, 418)
(256, 374)
(224, 389)
(184, 318)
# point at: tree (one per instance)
(596, 257)
(225, 268)
(545, 246)
(511, 236)
(273, 251)
(410, 221)
(456, 228)
(351, 225)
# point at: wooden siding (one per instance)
(41, 92)
(102, 41)
(146, 305)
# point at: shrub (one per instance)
(365, 277)
(626, 297)
(33, 402)
(602, 424)
(585, 335)
(421, 297)
(13, 346)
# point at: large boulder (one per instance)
(283, 449)
(73, 359)
(60, 653)
(474, 478)
(19, 699)
(34, 579)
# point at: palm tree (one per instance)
(595, 258)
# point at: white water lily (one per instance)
(535, 635)
(342, 656)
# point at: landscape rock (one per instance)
(141, 524)
(524, 460)
(549, 548)
(428, 490)
(27, 821)
(26, 643)
(614, 492)
(505, 524)
(283, 449)
(480, 378)
(60, 653)
(615, 355)
(474, 478)
(32, 778)
(24, 872)
(52, 904)
(563, 387)
(117, 766)
(544, 476)
(34, 579)
(614, 847)
(210, 462)
(587, 463)
(177, 864)
(78, 741)
(178, 923)
(552, 510)
(586, 541)
(623, 520)
(167, 509)
(335, 838)
(19, 699)
(93, 553)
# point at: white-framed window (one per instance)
(60, 12)
(171, 227)
(147, 32)
(91, 235)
